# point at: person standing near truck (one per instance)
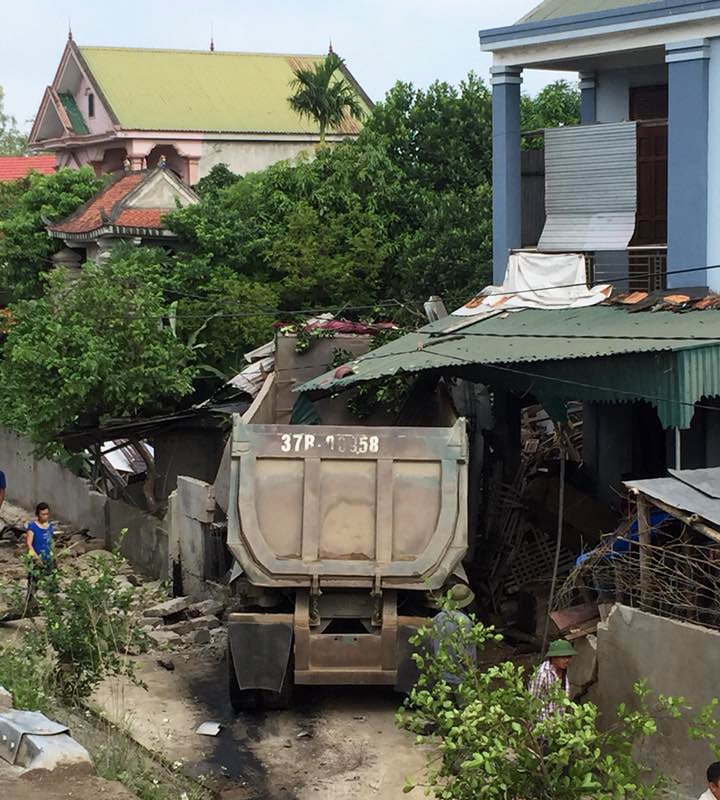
(552, 673)
(39, 537)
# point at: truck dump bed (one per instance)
(348, 506)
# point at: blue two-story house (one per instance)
(636, 186)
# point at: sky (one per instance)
(382, 41)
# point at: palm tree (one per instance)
(323, 97)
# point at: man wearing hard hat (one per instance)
(553, 672)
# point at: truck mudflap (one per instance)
(260, 645)
(407, 670)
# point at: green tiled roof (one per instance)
(554, 9)
(73, 112)
(184, 90)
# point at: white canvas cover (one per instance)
(539, 280)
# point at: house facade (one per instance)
(637, 185)
(112, 107)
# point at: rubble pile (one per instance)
(181, 621)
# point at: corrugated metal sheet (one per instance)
(706, 481)
(590, 187)
(570, 353)
(678, 494)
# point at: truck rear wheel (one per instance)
(240, 699)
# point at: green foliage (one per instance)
(380, 396)
(219, 177)
(93, 346)
(25, 207)
(88, 626)
(325, 97)
(492, 741)
(556, 105)
(12, 141)
(401, 213)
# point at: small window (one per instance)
(91, 105)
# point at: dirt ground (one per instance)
(60, 784)
(339, 744)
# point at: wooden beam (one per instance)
(644, 539)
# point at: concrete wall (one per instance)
(677, 659)
(613, 89)
(191, 510)
(145, 543)
(73, 501)
(31, 481)
(244, 157)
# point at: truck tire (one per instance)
(240, 699)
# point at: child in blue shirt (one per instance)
(39, 540)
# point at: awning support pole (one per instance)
(558, 543)
(644, 539)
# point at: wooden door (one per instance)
(651, 220)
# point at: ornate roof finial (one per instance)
(330, 49)
(69, 29)
(212, 39)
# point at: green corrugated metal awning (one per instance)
(602, 353)
(184, 90)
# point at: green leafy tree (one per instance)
(556, 105)
(93, 346)
(493, 741)
(12, 141)
(323, 95)
(25, 208)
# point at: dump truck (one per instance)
(338, 534)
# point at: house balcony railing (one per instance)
(646, 270)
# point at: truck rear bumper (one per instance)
(382, 658)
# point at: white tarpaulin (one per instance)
(539, 280)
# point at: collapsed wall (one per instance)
(677, 659)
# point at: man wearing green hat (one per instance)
(445, 623)
(553, 672)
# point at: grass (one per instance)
(117, 757)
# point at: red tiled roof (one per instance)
(89, 217)
(141, 217)
(14, 167)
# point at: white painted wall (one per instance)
(713, 239)
(244, 157)
(613, 89)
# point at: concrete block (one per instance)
(6, 698)
(583, 668)
(206, 608)
(207, 622)
(162, 638)
(200, 636)
(173, 606)
(187, 625)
